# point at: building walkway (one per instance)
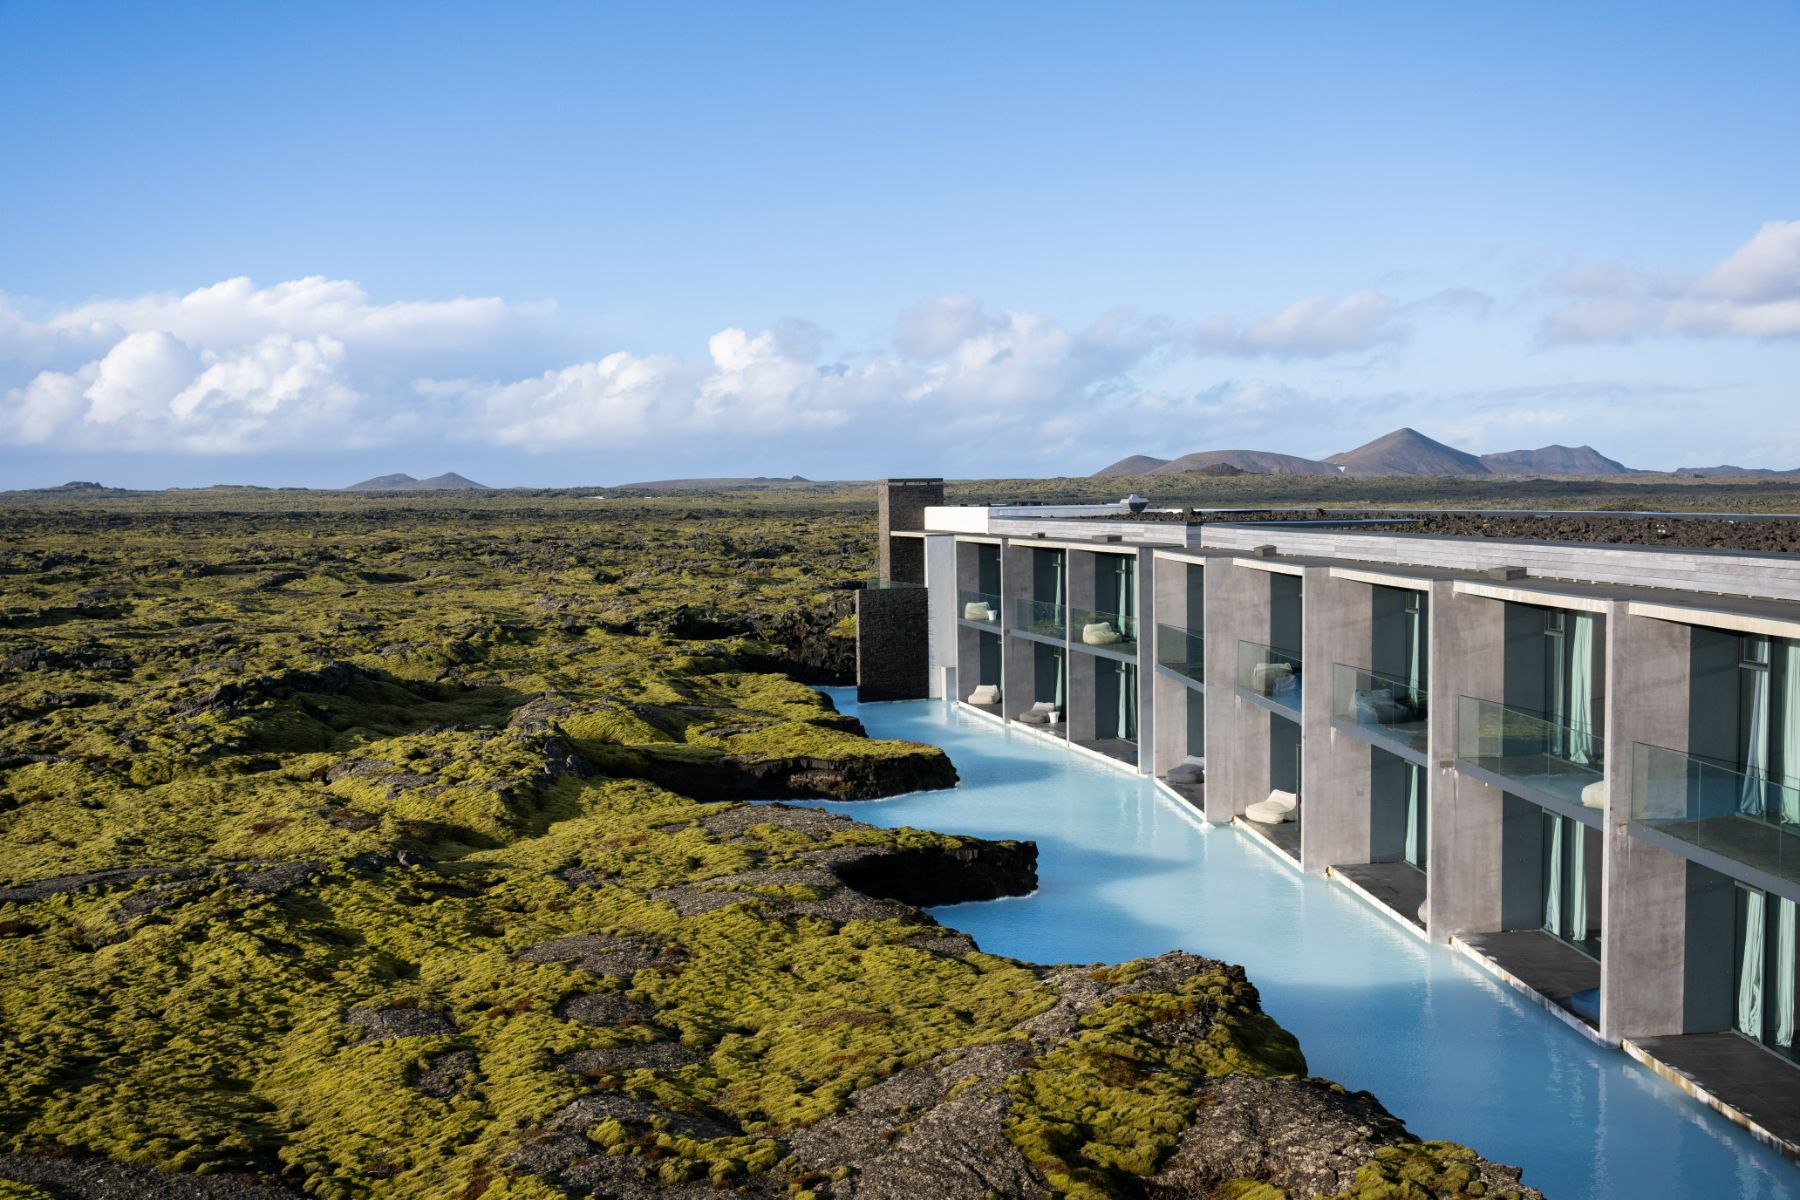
(1729, 1072)
(1552, 969)
(1398, 886)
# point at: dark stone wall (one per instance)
(892, 630)
(902, 504)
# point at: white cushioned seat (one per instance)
(1594, 794)
(1039, 713)
(978, 610)
(1279, 807)
(1100, 633)
(1267, 678)
(987, 693)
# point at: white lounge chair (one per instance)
(1100, 633)
(987, 693)
(978, 610)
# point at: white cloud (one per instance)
(1317, 327)
(1753, 293)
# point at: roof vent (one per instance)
(1263, 551)
(1506, 572)
(1135, 503)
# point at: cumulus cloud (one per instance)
(958, 367)
(1753, 293)
(315, 363)
(1318, 327)
(228, 368)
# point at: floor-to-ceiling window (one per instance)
(1572, 882)
(1049, 675)
(1196, 724)
(987, 568)
(1555, 672)
(1764, 969)
(989, 657)
(1397, 820)
(1285, 623)
(1744, 715)
(1047, 577)
(1115, 700)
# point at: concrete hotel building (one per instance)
(1575, 763)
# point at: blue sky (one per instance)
(583, 243)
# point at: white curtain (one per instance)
(1756, 752)
(1412, 814)
(1789, 743)
(1123, 570)
(1056, 594)
(1125, 699)
(1750, 970)
(1553, 880)
(1059, 696)
(1784, 973)
(1578, 921)
(1581, 690)
(1415, 659)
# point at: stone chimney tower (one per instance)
(902, 510)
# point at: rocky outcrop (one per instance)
(743, 777)
(925, 878)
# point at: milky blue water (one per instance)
(1123, 872)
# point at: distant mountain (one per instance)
(1250, 462)
(1703, 472)
(448, 481)
(1136, 464)
(722, 481)
(1407, 452)
(1554, 460)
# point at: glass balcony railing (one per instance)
(1567, 761)
(1271, 672)
(978, 606)
(1384, 703)
(1097, 627)
(1181, 651)
(1040, 616)
(1748, 816)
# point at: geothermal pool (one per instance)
(1124, 871)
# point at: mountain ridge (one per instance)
(1407, 452)
(402, 482)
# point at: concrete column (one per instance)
(1334, 768)
(940, 577)
(900, 506)
(1078, 582)
(1645, 899)
(1468, 658)
(1145, 616)
(1237, 731)
(1080, 715)
(1167, 591)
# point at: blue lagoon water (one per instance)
(1125, 872)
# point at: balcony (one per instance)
(1182, 652)
(983, 608)
(1529, 748)
(1039, 617)
(1097, 627)
(1751, 817)
(1384, 703)
(1271, 673)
